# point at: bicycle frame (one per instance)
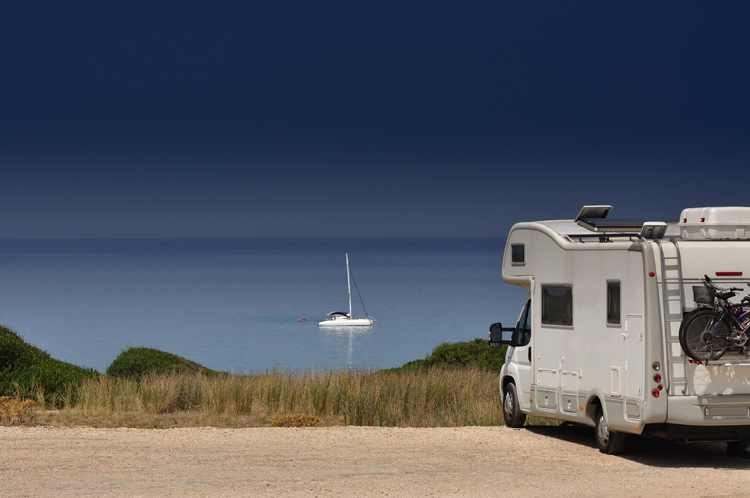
(733, 317)
(726, 309)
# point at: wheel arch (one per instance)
(594, 402)
(508, 374)
(504, 381)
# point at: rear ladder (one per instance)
(673, 305)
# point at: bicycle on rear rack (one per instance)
(717, 326)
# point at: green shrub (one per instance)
(27, 371)
(135, 363)
(476, 353)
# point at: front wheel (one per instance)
(609, 442)
(512, 413)
(705, 337)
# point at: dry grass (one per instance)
(419, 398)
(139, 420)
(15, 412)
(543, 421)
(299, 420)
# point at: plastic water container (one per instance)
(715, 223)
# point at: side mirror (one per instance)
(499, 336)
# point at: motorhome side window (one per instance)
(557, 304)
(613, 303)
(517, 253)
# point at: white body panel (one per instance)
(574, 367)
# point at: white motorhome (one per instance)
(597, 341)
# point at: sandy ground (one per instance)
(356, 461)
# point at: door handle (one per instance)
(529, 354)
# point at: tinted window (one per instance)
(557, 304)
(613, 303)
(517, 253)
(524, 326)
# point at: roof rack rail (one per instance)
(605, 225)
(605, 236)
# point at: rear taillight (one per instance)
(657, 378)
(655, 393)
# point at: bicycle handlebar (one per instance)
(707, 281)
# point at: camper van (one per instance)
(597, 342)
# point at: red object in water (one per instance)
(302, 319)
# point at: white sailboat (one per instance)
(342, 318)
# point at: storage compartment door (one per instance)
(633, 374)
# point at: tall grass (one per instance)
(421, 398)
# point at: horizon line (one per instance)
(41, 239)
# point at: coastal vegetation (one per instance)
(432, 397)
(135, 363)
(298, 420)
(27, 372)
(13, 411)
(476, 353)
(455, 385)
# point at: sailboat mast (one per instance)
(349, 285)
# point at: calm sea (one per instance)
(235, 304)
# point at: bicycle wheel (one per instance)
(705, 337)
(685, 321)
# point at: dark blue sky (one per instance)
(262, 118)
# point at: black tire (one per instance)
(685, 320)
(739, 448)
(609, 442)
(704, 336)
(512, 413)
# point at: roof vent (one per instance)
(653, 230)
(593, 212)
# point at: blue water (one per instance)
(234, 304)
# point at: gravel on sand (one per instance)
(357, 461)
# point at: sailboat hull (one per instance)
(346, 322)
